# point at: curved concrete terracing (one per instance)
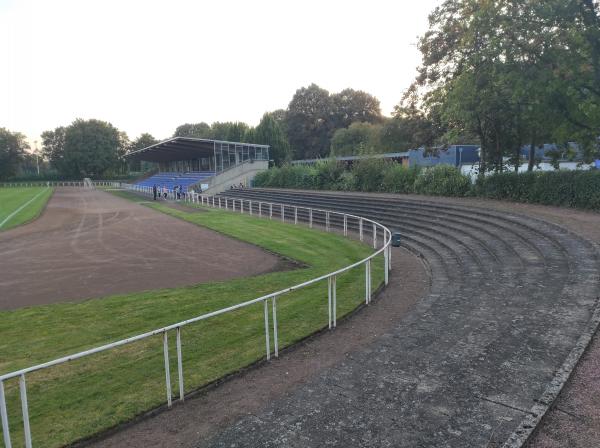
(511, 296)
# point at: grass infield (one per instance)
(84, 397)
(21, 205)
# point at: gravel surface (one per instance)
(89, 243)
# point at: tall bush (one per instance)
(442, 180)
(369, 174)
(328, 174)
(399, 179)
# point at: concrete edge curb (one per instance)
(530, 423)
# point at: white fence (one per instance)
(61, 183)
(235, 205)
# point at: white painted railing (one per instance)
(60, 183)
(235, 205)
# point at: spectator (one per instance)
(154, 191)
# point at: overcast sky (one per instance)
(148, 66)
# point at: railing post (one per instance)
(267, 342)
(374, 236)
(213, 201)
(334, 286)
(259, 209)
(310, 218)
(179, 364)
(329, 300)
(386, 256)
(220, 202)
(167, 369)
(345, 225)
(368, 282)
(25, 409)
(282, 213)
(360, 229)
(270, 210)
(327, 221)
(250, 207)
(275, 336)
(233, 202)
(4, 417)
(295, 215)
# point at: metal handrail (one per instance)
(59, 183)
(214, 201)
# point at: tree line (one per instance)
(512, 73)
(314, 125)
(499, 73)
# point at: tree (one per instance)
(197, 130)
(310, 122)
(52, 147)
(358, 138)
(237, 131)
(143, 141)
(350, 106)
(474, 54)
(270, 132)
(12, 152)
(513, 72)
(228, 131)
(85, 148)
(575, 59)
(279, 116)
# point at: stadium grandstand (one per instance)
(195, 163)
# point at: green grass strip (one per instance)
(27, 202)
(81, 398)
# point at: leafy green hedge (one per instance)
(579, 189)
(368, 175)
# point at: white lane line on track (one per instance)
(22, 207)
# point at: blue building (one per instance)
(455, 155)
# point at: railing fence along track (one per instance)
(233, 204)
(61, 183)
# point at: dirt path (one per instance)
(93, 244)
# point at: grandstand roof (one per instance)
(183, 148)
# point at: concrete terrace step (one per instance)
(510, 296)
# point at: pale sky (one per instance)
(149, 66)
